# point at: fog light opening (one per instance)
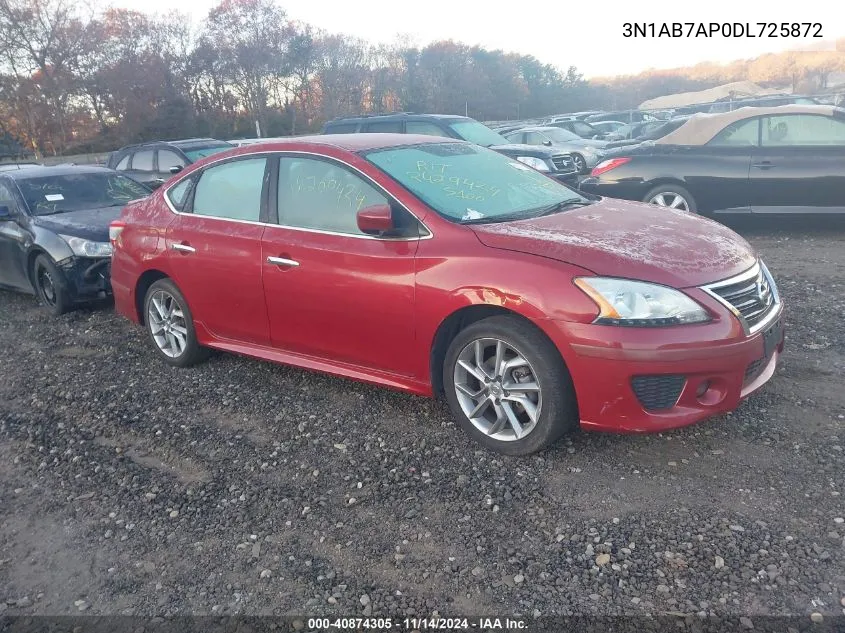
(711, 392)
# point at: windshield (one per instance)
(201, 152)
(467, 183)
(477, 133)
(48, 195)
(663, 130)
(560, 136)
(579, 127)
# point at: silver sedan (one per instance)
(586, 153)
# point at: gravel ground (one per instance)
(241, 487)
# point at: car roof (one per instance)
(359, 142)
(181, 143)
(397, 115)
(700, 128)
(57, 170)
(539, 128)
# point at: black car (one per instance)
(786, 159)
(635, 133)
(550, 161)
(154, 162)
(626, 116)
(54, 231)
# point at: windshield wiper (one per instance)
(563, 204)
(490, 219)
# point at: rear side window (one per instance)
(178, 195)
(739, 134)
(143, 160)
(424, 127)
(231, 190)
(124, 163)
(341, 128)
(384, 127)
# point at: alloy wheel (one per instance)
(497, 389)
(579, 162)
(167, 324)
(670, 199)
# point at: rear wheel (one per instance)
(672, 196)
(171, 325)
(507, 386)
(50, 285)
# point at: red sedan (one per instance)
(439, 267)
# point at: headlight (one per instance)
(87, 248)
(640, 304)
(537, 163)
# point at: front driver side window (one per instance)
(324, 196)
(7, 199)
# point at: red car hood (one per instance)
(618, 238)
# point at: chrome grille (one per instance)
(751, 296)
(563, 162)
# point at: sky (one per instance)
(586, 34)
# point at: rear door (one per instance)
(800, 165)
(214, 248)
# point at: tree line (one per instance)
(73, 80)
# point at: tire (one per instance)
(554, 402)
(170, 325)
(50, 286)
(666, 192)
(579, 163)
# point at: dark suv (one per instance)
(155, 161)
(550, 161)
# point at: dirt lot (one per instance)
(127, 487)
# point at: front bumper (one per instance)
(631, 380)
(87, 277)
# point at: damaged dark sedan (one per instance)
(54, 231)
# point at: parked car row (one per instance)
(781, 159)
(553, 161)
(421, 262)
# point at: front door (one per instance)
(333, 292)
(214, 250)
(800, 165)
(14, 240)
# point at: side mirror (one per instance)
(176, 169)
(547, 143)
(5, 213)
(376, 220)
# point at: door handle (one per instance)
(184, 248)
(766, 164)
(281, 261)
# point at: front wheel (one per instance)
(579, 163)
(50, 286)
(508, 387)
(171, 326)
